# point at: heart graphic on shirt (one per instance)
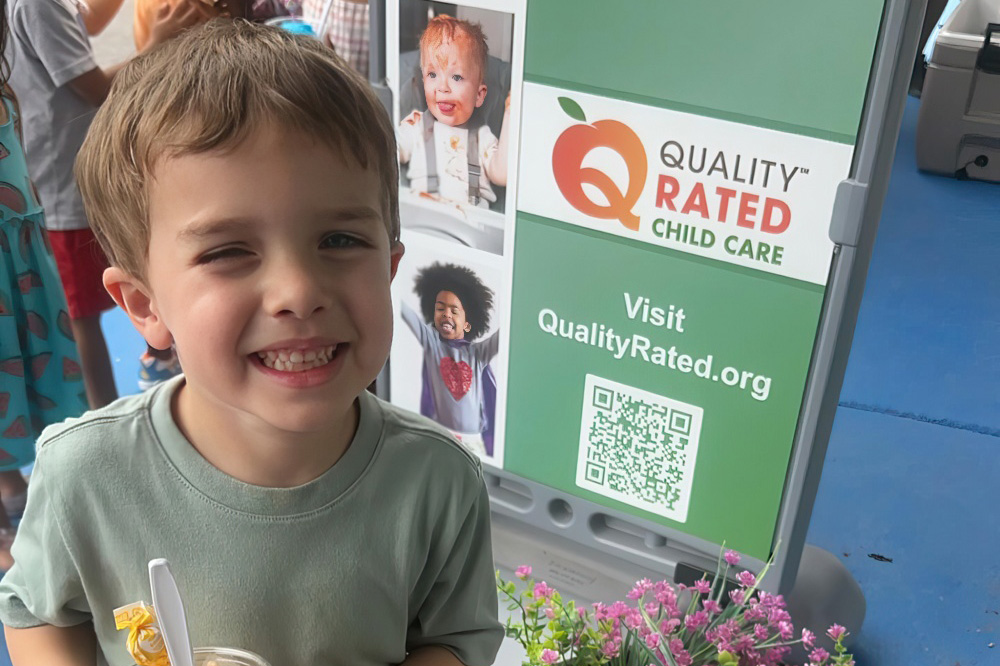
(457, 376)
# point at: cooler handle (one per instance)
(989, 56)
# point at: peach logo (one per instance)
(574, 144)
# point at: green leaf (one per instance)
(572, 109)
(727, 659)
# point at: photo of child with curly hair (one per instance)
(449, 151)
(458, 385)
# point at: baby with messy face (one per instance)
(450, 151)
(453, 66)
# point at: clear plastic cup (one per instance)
(227, 657)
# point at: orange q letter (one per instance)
(574, 144)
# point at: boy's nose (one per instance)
(295, 290)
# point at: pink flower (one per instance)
(808, 638)
(550, 613)
(522, 572)
(652, 608)
(582, 612)
(732, 557)
(609, 649)
(836, 632)
(618, 609)
(543, 591)
(760, 632)
(652, 641)
(786, 630)
(737, 597)
(668, 627)
(640, 588)
(712, 606)
(703, 586)
(695, 621)
(549, 656)
(819, 655)
(676, 646)
(746, 579)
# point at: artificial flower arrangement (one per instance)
(664, 625)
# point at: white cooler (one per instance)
(958, 128)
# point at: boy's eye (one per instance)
(456, 77)
(222, 254)
(431, 75)
(335, 241)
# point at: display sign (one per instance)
(616, 293)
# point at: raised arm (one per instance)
(52, 646)
(421, 330)
(95, 84)
(488, 347)
(99, 14)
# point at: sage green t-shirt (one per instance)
(387, 551)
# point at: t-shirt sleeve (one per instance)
(486, 349)
(57, 38)
(421, 330)
(459, 612)
(43, 586)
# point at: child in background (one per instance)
(60, 87)
(451, 153)
(40, 381)
(305, 519)
(459, 389)
(347, 28)
(254, 10)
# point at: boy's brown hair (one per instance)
(443, 29)
(209, 89)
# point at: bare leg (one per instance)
(98, 378)
(12, 483)
(6, 540)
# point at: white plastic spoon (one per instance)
(170, 613)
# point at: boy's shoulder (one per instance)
(412, 437)
(98, 433)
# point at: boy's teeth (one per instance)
(295, 360)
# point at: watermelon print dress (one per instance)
(40, 378)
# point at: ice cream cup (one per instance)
(226, 657)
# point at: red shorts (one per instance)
(81, 264)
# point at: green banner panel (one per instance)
(799, 66)
(707, 360)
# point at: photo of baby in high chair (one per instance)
(451, 150)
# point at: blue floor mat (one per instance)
(923, 496)
(927, 344)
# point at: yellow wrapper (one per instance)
(144, 642)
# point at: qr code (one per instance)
(638, 447)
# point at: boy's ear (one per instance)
(481, 95)
(136, 300)
(395, 254)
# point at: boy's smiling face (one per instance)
(269, 269)
(453, 84)
(449, 316)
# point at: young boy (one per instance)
(459, 389)
(450, 154)
(243, 183)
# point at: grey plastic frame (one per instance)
(650, 546)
